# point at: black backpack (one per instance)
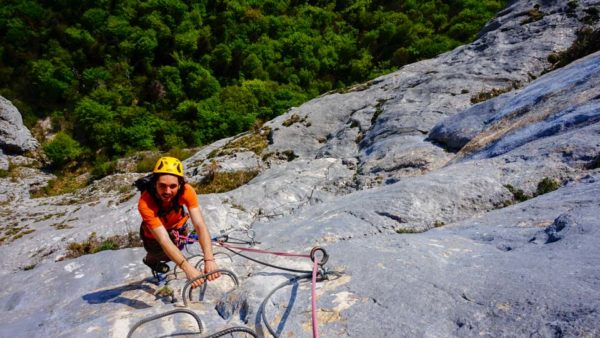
(144, 183)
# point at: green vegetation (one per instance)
(587, 42)
(484, 96)
(29, 267)
(518, 194)
(94, 244)
(533, 15)
(148, 160)
(293, 119)
(218, 182)
(547, 185)
(66, 182)
(12, 172)
(13, 231)
(119, 77)
(544, 186)
(286, 155)
(409, 231)
(255, 142)
(62, 149)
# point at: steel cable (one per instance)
(189, 283)
(231, 330)
(268, 264)
(264, 303)
(164, 314)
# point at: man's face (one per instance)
(167, 187)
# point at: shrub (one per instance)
(102, 169)
(533, 14)
(587, 42)
(547, 185)
(544, 186)
(146, 164)
(94, 244)
(62, 149)
(518, 194)
(64, 183)
(484, 96)
(408, 231)
(220, 182)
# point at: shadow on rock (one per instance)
(114, 296)
(556, 231)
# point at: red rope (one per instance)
(276, 253)
(315, 325)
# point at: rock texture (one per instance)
(14, 137)
(435, 211)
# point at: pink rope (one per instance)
(276, 253)
(315, 325)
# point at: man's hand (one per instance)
(191, 273)
(209, 266)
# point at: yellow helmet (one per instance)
(168, 165)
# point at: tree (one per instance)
(62, 149)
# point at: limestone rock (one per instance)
(540, 110)
(14, 136)
(4, 163)
(423, 241)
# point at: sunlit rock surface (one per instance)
(432, 209)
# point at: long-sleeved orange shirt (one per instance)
(173, 219)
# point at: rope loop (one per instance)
(323, 259)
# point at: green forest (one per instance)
(117, 77)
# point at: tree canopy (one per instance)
(122, 76)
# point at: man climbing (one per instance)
(163, 218)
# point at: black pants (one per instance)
(154, 252)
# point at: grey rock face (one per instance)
(3, 161)
(540, 110)
(425, 242)
(14, 137)
(482, 276)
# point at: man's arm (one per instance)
(204, 240)
(161, 235)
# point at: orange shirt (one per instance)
(173, 220)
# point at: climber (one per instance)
(161, 206)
